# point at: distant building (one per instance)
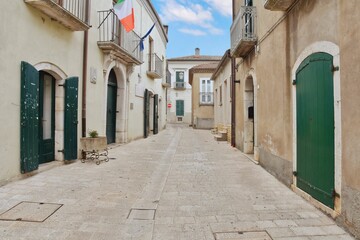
(179, 95)
(202, 110)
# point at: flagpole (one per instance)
(110, 11)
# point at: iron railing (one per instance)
(180, 85)
(155, 64)
(75, 7)
(207, 98)
(243, 27)
(111, 30)
(168, 76)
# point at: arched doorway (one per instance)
(315, 123)
(249, 129)
(111, 108)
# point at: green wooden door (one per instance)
(71, 118)
(111, 108)
(315, 127)
(156, 114)
(179, 107)
(46, 118)
(29, 130)
(146, 113)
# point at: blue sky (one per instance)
(196, 23)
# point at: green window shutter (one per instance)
(146, 113)
(71, 118)
(315, 127)
(156, 114)
(179, 107)
(29, 119)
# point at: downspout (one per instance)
(233, 101)
(84, 71)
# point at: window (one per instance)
(180, 76)
(206, 91)
(220, 96)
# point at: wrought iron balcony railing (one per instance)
(206, 98)
(155, 66)
(113, 38)
(70, 13)
(180, 85)
(167, 82)
(243, 32)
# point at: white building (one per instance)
(179, 95)
(222, 95)
(70, 68)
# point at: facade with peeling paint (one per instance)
(296, 77)
(69, 69)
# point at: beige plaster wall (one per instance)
(29, 35)
(350, 113)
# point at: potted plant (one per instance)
(93, 147)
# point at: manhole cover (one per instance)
(259, 235)
(30, 212)
(142, 214)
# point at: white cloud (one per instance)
(194, 32)
(224, 7)
(193, 14)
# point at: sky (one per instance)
(196, 23)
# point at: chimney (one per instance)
(197, 51)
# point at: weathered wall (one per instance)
(350, 113)
(309, 25)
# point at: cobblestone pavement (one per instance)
(179, 184)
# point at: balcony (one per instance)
(114, 40)
(155, 66)
(180, 86)
(206, 98)
(167, 82)
(278, 5)
(243, 32)
(70, 13)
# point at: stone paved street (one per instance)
(179, 184)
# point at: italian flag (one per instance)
(125, 12)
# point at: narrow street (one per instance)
(179, 184)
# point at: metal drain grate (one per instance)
(255, 235)
(142, 214)
(30, 212)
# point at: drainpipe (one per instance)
(84, 72)
(233, 101)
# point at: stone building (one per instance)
(296, 97)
